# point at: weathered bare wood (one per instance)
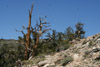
(38, 31)
(27, 44)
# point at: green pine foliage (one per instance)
(79, 33)
(69, 33)
(10, 53)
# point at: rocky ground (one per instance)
(83, 53)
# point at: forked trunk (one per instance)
(35, 46)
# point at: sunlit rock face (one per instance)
(84, 53)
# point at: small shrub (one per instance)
(64, 47)
(86, 54)
(66, 61)
(76, 51)
(34, 60)
(10, 53)
(84, 42)
(52, 66)
(90, 43)
(37, 60)
(77, 66)
(98, 58)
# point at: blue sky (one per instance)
(60, 14)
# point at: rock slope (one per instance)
(83, 53)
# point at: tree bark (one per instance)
(27, 44)
(35, 46)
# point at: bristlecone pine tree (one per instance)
(38, 31)
(79, 33)
(69, 33)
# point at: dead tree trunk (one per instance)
(27, 44)
(35, 46)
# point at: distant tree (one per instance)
(69, 34)
(53, 38)
(54, 35)
(48, 36)
(60, 36)
(79, 33)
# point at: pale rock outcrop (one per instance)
(82, 54)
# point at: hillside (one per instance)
(83, 53)
(8, 41)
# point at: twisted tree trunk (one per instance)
(27, 44)
(35, 46)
